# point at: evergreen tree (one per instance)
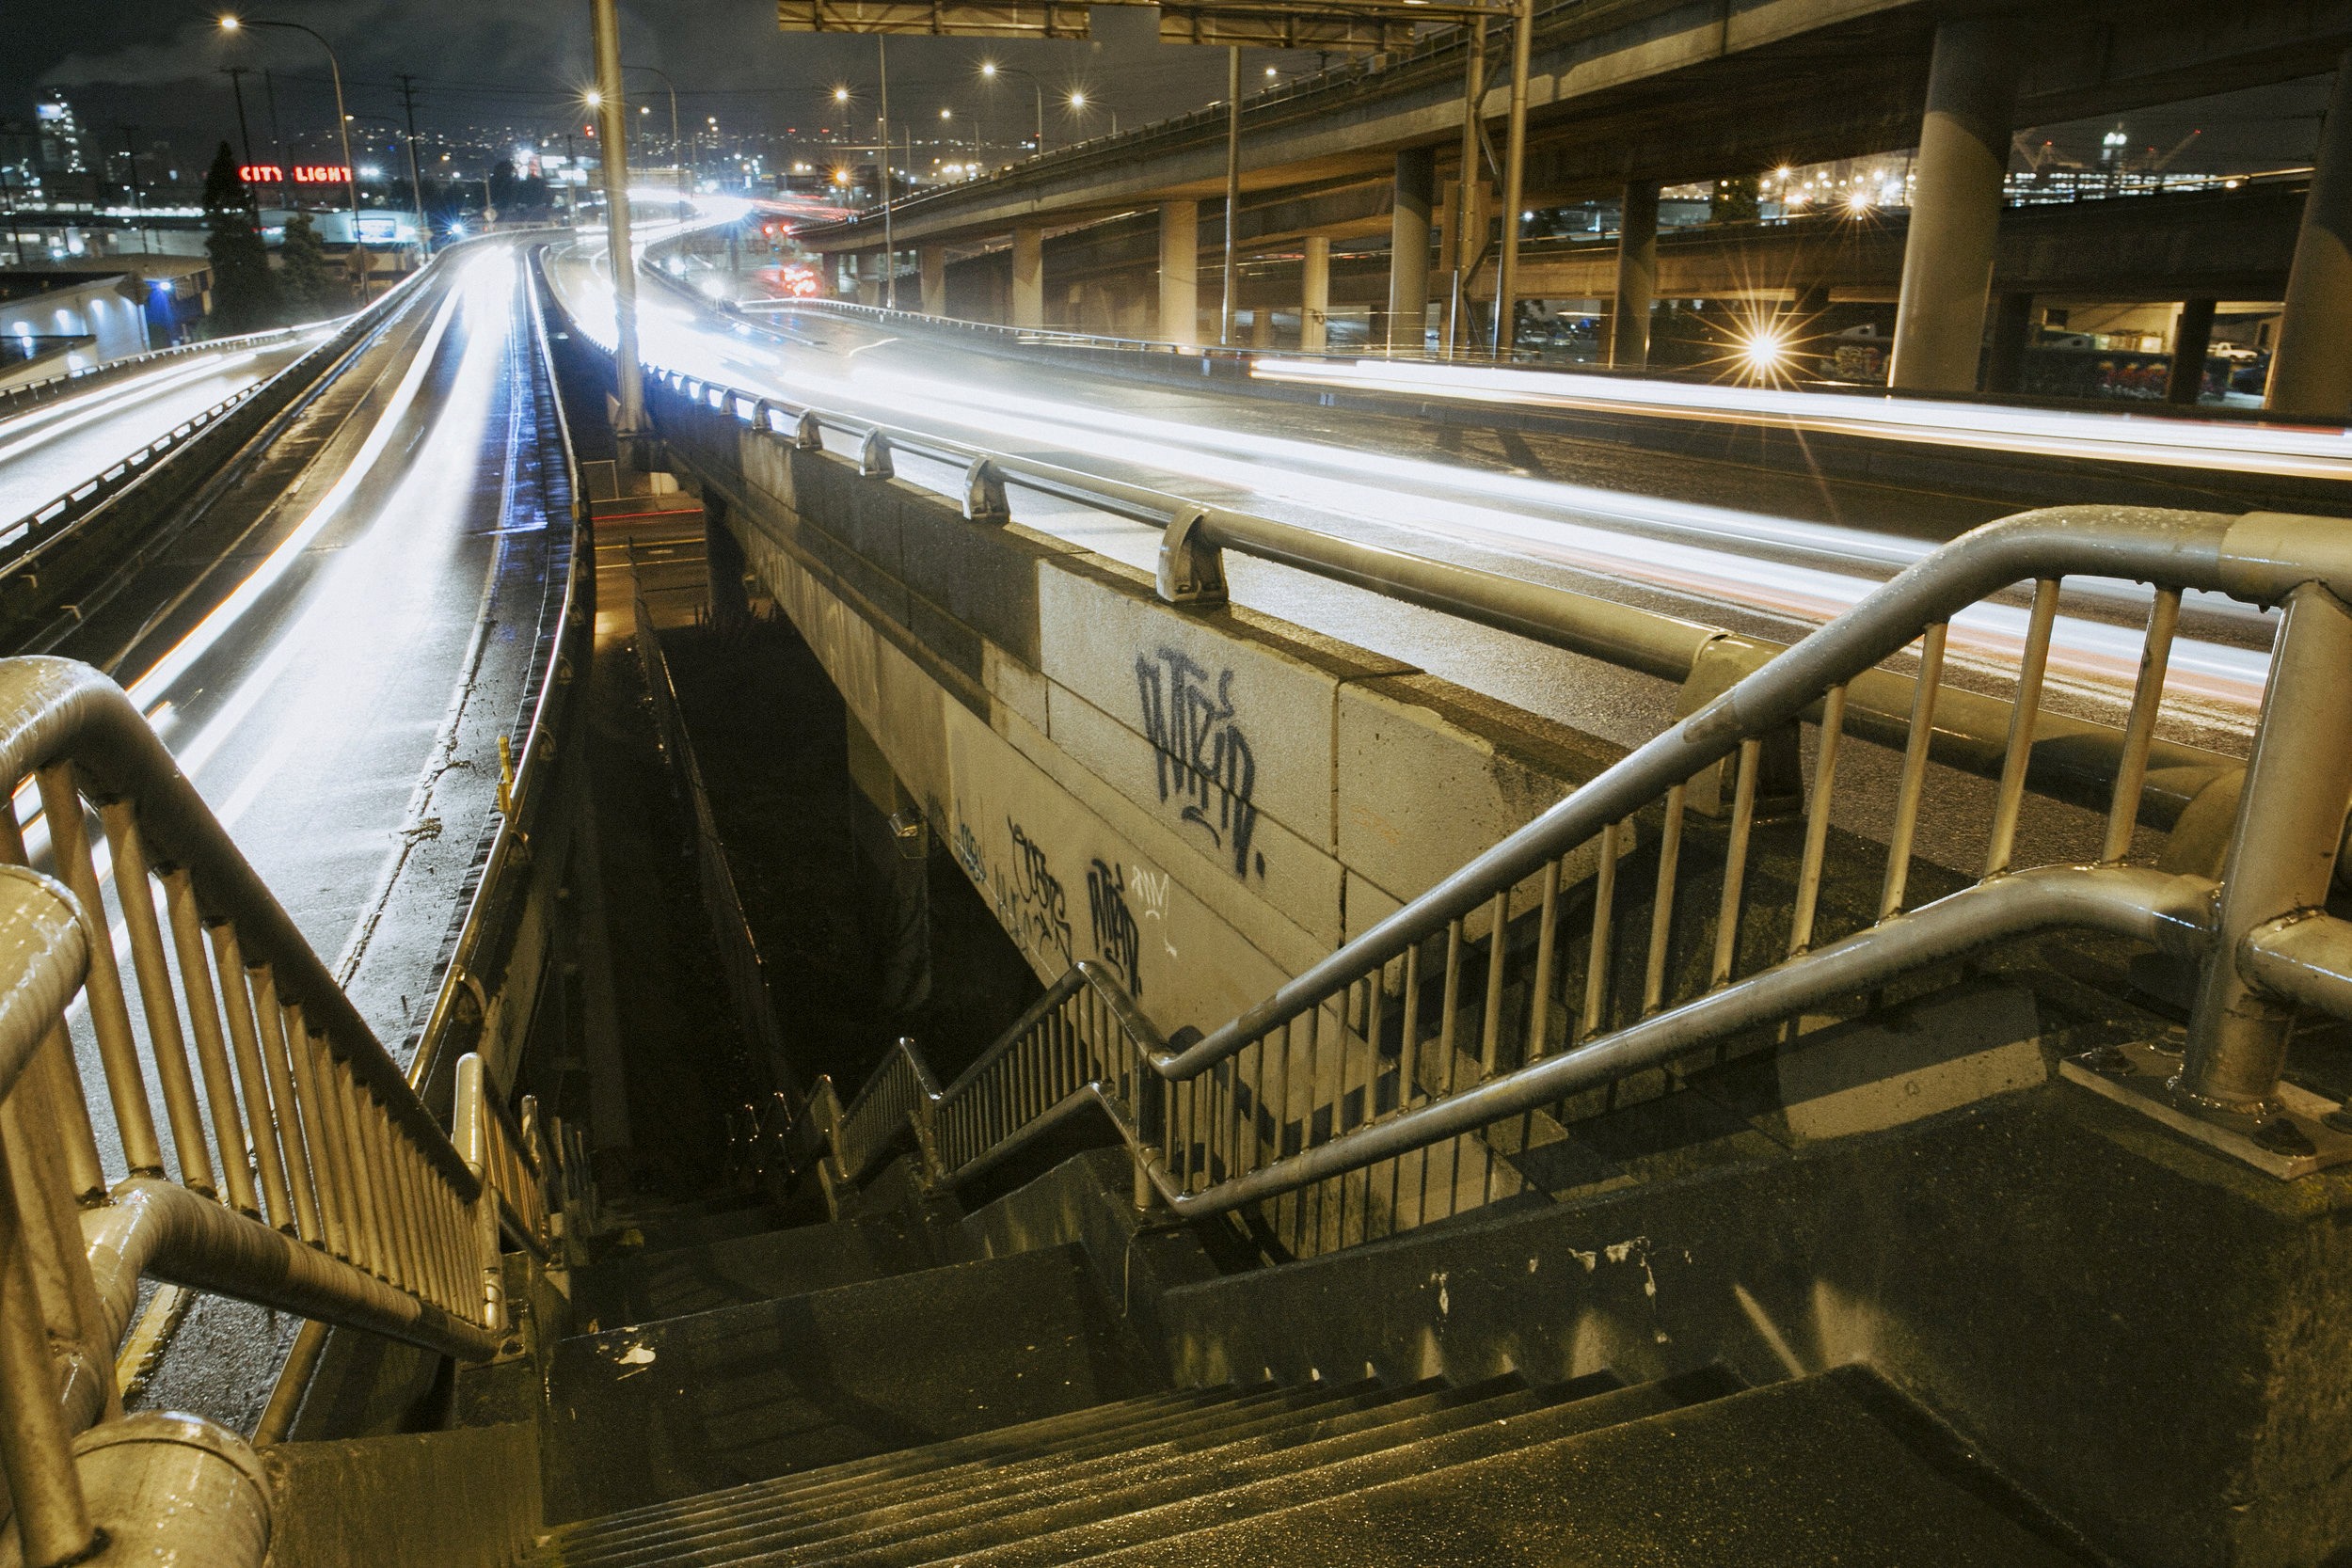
(306, 278)
(245, 296)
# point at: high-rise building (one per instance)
(61, 150)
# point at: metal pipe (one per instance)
(1232, 190)
(1514, 184)
(2302, 958)
(1915, 775)
(298, 1139)
(167, 1047)
(2139, 728)
(2011, 796)
(612, 157)
(52, 1521)
(260, 1122)
(211, 1050)
(2282, 850)
(1469, 236)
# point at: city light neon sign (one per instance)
(301, 174)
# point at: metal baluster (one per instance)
(306, 1176)
(331, 1155)
(211, 1051)
(1817, 821)
(85, 1171)
(109, 1012)
(167, 1046)
(2139, 730)
(1451, 1002)
(1490, 1017)
(33, 1151)
(1596, 957)
(2011, 797)
(374, 1193)
(1547, 933)
(1662, 914)
(251, 1076)
(52, 1522)
(1915, 775)
(1409, 1033)
(1736, 863)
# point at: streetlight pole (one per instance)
(1233, 186)
(990, 70)
(1514, 184)
(890, 247)
(343, 122)
(416, 177)
(613, 130)
(677, 154)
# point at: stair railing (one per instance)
(1469, 1012)
(292, 1166)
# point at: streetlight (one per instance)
(230, 23)
(677, 154)
(989, 69)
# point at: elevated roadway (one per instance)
(51, 448)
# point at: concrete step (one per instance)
(1331, 1470)
(671, 1409)
(693, 1225)
(1792, 1475)
(1110, 1429)
(646, 1287)
(1153, 1481)
(966, 1497)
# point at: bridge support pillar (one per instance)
(1262, 328)
(1180, 273)
(2310, 368)
(1314, 300)
(2191, 337)
(931, 260)
(1637, 278)
(1409, 248)
(1028, 275)
(2013, 331)
(1956, 205)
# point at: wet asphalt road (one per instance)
(336, 684)
(53, 448)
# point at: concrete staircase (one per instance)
(875, 1389)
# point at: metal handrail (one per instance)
(294, 1166)
(72, 383)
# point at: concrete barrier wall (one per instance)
(1202, 802)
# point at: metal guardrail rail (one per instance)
(74, 383)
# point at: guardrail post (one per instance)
(873, 456)
(807, 434)
(1191, 567)
(984, 495)
(2282, 851)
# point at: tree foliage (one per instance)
(244, 295)
(306, 278)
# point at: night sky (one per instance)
(155, 65)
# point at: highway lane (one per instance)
(54, 446)
(1773, 554)
(335, 687)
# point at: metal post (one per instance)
(1514, 181)
(1233, 188)
(2282, 850)
(613, 130)
(416, 178)
(1469, 233)
(890, 248)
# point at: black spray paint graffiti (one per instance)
(1030, 903)
(1200, 754)
(1117, 936)
(967, 847)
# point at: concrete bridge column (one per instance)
(932, 262)
(2310, 368)
(1314, 303)
(2012, 332)
(1637, 278)
(1028, 275)
(2192, 336)
(1956, 205)
(1180, 273)
(1409, 248)
(1262, 328)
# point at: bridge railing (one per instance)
(1613, 935)
(292, 1165)
(1624, 929)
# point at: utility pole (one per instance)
(416, 180)
(1233, 186)
(236, 85)
(890, 248)
(613, 130)
(276, 142)
(1514, 182)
